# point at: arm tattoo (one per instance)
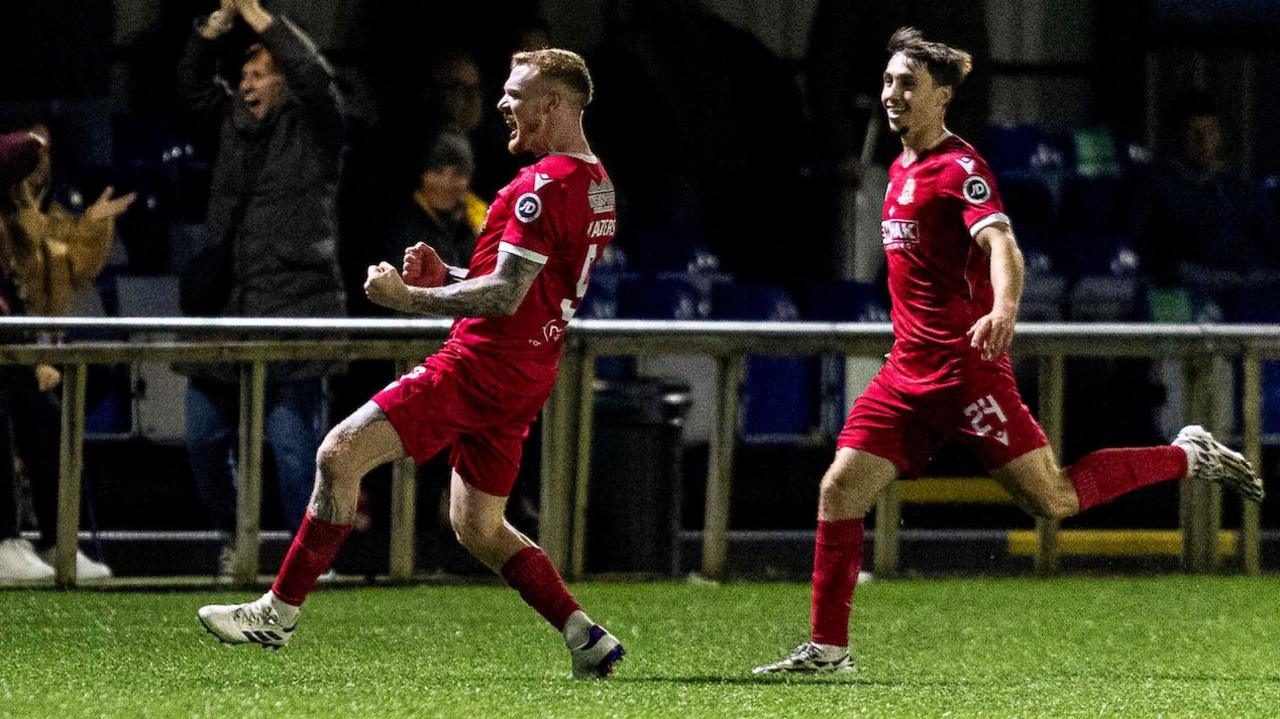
(497, 294)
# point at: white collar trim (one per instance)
(579, 156)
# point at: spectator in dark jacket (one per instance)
(443, 212)
(272, 207)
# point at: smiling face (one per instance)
(262, 85)
(525, 106)
(912, 101)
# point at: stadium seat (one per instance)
(1093, 203)
(1043, 298)
(845, 301)
(666, 298)
(1102, 298)
(159, 403)
(778, 392)
(1095, 152)
(1011, 149)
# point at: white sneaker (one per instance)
(1212, 461)
(810, 658)
(595, 658)
(19, 562)
(86, 568)
(256, 622)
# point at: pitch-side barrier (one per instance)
(255, 343)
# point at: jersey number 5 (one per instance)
(566, 305)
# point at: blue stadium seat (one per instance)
(778, 392)
(665, 298)
(1043, 297)
(1011, 148)
(1093, 203)
(1105, 298)
(845, 301)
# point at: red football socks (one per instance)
(313, 549)
(837, 557)
(530, 572)
(1101, 476)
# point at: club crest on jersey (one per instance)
(908, 194)
(601, 196)
(528, 207)
(899, 234)
(976, 190)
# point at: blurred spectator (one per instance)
(45, 255)
(452, 95)
(443, 211)
(271, 248)
(1198, 224)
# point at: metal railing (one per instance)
(567, 421)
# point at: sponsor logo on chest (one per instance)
(899, 234)
(600, 196)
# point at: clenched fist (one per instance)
(385, 287)
(423, 266)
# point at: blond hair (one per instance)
(566, 67)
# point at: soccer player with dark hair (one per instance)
(955, 278)
(479, 393)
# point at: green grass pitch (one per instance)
(1172, 647)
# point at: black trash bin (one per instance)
(634, 499)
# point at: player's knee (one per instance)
(473, 530)
(845, 489)
(331, 455)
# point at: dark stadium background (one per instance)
(724, 125)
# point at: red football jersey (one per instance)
(559, 212)
(939, 279)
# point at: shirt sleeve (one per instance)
(530, 231)
(973, 185)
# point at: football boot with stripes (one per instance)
(810, 658)
(256, 622)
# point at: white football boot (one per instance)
(1212, 461)
(256, 622)
(594, 658)
(810, 658)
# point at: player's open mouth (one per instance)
(511, 123)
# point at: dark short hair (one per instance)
(947, 65)
(564, 66)
(449, 149)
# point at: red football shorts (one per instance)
(905, 421)
(439, 403)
